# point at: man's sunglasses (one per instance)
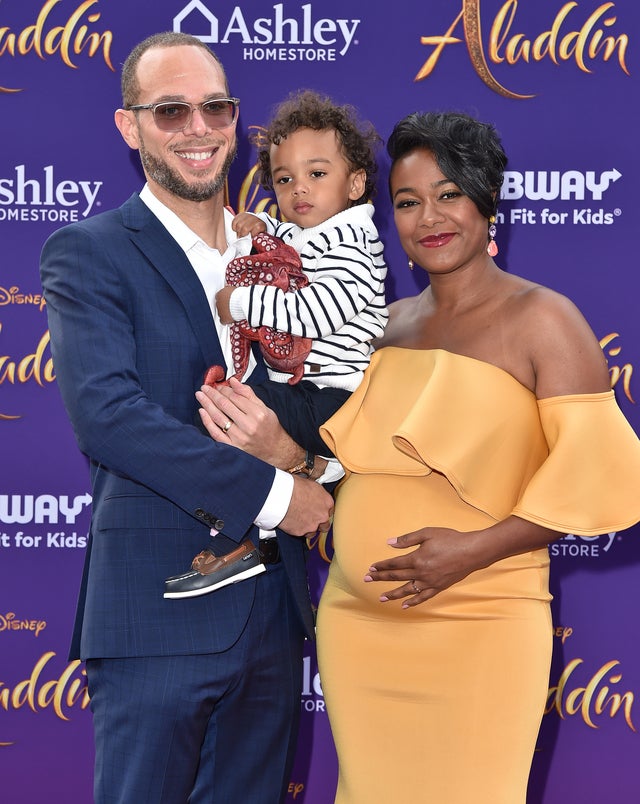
(176, 115)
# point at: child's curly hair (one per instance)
(308, 109)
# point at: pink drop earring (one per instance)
(492, 246)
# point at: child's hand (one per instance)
(222, 303)
(246, 223)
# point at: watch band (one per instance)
(305, 467)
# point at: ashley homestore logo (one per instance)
(300, 36)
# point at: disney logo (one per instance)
(12, 295)
(9, 622)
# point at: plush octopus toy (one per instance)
(271, 262)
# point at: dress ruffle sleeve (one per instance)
(569, 463)
(590, 481)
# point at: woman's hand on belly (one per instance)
(443, 557)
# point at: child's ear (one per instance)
(358, 183)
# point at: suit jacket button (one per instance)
(218, 524)
(200, 513)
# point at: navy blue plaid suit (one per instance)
(131, 335)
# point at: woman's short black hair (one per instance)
(308, 109)
(467, 151)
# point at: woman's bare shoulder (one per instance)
(561, 346)
(402, 314)
(541, 307)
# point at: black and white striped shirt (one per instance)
(342, 309)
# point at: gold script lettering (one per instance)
(68, 40)
(321, 541)
(34, 366)
(12, 295)
(31, 367)
(59, 693)
(470, 16)
(586, 43)
(591, 699)
(617, 372)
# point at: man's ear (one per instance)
(127, 125)
(358, 183)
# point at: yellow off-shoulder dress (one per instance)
(441, 703)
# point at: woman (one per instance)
(481, 432)
(486, 425)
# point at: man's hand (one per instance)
(310, 509)
(235, 415)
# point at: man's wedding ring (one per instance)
(227, 426)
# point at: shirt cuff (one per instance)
(333, 471)
(277, 503)
(235, 303)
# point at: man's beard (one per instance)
(172, 181)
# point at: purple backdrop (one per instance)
(558, 80)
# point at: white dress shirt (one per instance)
(210, 265)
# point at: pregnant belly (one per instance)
(370, 509)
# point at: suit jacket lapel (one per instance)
(162, 251)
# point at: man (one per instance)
(193, 699)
